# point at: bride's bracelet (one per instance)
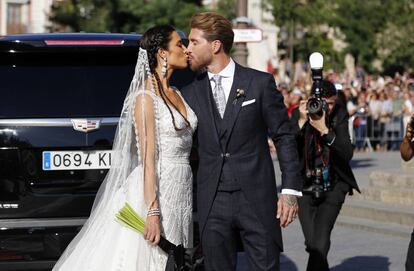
(154, 212)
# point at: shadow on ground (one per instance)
(367, 162)
(366, 263)
(286, 264)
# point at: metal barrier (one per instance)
(376, 134)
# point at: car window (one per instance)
(64, 84)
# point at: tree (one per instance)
(378, 33)
(302, 27)
(318, 41)
(305, 13)
(360, 22)
(82, 15)
(394, 42)
(144, 16)
(227, 8)
(121, 15)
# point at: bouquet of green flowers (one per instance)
(179, 258)
(129, 218)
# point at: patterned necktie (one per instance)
(218, 94)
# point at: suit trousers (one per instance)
(409, 264)
(231, 217)
(317, 218)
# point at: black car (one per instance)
(61, 95)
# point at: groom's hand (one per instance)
(152, 231)
(287, 209)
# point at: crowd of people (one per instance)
(379, 106)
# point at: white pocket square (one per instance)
(248, 102)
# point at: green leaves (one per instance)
(374, 31)
(394, 42)
(303, 27)
(123, 16)
(228, 8)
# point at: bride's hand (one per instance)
(152, 229)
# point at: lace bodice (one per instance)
(158, 142)
(173, 144)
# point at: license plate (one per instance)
(76, 160)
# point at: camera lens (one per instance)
(314, 106)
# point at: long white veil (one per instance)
(134, 145)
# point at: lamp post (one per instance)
(240, 49)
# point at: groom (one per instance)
(238, 109)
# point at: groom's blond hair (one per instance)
(215, 27)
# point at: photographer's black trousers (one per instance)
(317, 217)
(409, 265)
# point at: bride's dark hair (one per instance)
(155, 38)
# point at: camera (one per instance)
(316, 105)
(317, 182)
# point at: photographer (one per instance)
(407, 152)
(325, 150)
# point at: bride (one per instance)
(150, 169)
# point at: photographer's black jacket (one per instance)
(341, 150)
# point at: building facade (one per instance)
(262, 55)
(24, 16)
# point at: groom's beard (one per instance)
(199, 63)
(197, 70)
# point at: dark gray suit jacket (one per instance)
(246, 148)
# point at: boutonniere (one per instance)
(239, 93)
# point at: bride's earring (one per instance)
(164, 67)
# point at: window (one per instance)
(15, 23)
(64, 84)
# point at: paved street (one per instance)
(351, 249)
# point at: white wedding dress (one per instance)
(105, 245)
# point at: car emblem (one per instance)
(85, 125)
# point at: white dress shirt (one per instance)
(227, 75)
